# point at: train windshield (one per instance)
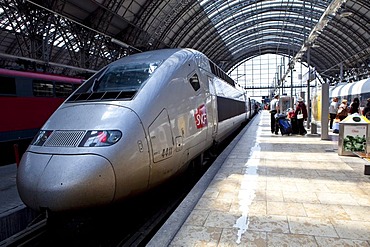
(124, 77)
(119, 81)
(119, 77)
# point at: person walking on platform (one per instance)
(333, 110)
(366, 110)
(342, 110)
(354, 107)
(293, 120)
(301, 114)
(274, 108)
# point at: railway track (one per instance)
(28, 235)
(129, 224)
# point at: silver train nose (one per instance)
(65, 182)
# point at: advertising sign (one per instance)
(354, 138)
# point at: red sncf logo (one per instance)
(200, 116)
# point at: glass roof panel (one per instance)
(273, 18)
(262, 73)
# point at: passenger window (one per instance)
(7, 85)
(63, 89)
(194, 81)
(43, 88)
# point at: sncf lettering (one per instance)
(200, 117)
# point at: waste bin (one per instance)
(354, 135)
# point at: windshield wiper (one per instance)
(93, 86)
(97, 81)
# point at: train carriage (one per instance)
(132, 126)
(27, 100)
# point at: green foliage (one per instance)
(354, 143)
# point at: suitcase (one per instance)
(280, 115)
(285, 126)
(293, 122)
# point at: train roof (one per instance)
(38, 75)
(163, 54)
(160, 54)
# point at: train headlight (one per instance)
(41, 137)
(100, 138)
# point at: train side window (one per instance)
(63, 89)
(7, 85)
(194, 81)
(43, 88)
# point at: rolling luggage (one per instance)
(285, 126)
(293, 122)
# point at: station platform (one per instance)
(273, 190)
(9, 199)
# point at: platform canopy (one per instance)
(73, 36)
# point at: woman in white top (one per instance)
(333, 110)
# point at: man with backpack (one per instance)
(343, 110)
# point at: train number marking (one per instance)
(166, 152)
(200, 116)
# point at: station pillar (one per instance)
(324, 111)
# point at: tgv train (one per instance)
(27, 100)
(133, 125)
(359, 89)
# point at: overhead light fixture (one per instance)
(120, 43)
(345, 14)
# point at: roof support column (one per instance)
(308, 89)
(291, 86)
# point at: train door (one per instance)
(212, 117)
(204, 115)
(162, 146)
(201, 114)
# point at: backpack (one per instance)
(343, 111)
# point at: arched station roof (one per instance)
(64, 35)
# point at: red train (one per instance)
(27, 99)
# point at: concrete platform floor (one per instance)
(275, 190)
